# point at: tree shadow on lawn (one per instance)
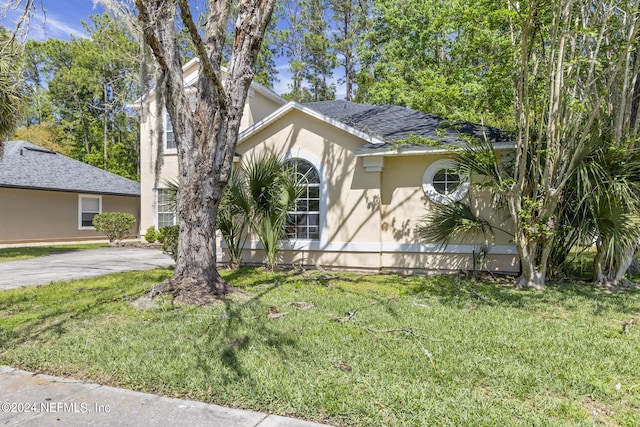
(251, 277)
(458, 291)
(241, 327)
(346, 284)
(54, 319)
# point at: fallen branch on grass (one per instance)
(325, 275)
(350, 314)
(409, 331)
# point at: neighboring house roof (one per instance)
(394, 124)
(26, 165)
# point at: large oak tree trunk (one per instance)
(205, 138)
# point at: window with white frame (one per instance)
(304, 221)
(169, 137)
(88, 207)
(443, 184)
(165, 207)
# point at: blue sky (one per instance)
(61, 19)
(58, 19)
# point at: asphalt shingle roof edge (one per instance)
(395, 124)
(28, 166)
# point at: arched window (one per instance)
(304, 221)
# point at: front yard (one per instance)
(347, 349)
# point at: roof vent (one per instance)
(36, 149)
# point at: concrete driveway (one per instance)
(79, 264)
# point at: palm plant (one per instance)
(12, 89)
(458, 220)
(602, 208)
(258, 197)
(234, 214)
(273, 188)
(455, 220)
(172, 188)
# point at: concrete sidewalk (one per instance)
(41, 400)
(67, 265)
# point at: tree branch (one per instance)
(209, 71)
(149, 35)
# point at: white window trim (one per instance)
(295, 211)
(156, 211)
(435, 195)
(165, 119)
(87, 196)
(298, 153)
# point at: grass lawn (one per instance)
(363, 350)
(15, 254)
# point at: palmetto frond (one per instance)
(234, 213)
(260, 194)
(601, 205)
(454, 221)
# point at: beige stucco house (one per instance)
(46, 196)
(369, 186)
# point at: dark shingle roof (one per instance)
(392, 123)
(26, 165)
(338, 109)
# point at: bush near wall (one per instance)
(168, 236)
(115, 225)
(151, 235)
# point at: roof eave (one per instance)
(282, 111)
(417, 151)
(68, 190)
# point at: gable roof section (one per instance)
(26, 165)
(385, 128)
(394, 124)
(291, 106)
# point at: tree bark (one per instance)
(206, 138)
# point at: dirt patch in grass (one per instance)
(600, 412)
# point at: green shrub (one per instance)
(169, 241)
(115, 225)
(151, 235)
(160, 235)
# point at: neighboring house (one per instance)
(373, 174)
(46, 196)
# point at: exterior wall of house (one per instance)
(371, 217)
(368, 218)
(349, 215)
(404, 205)
(148, 167)
(39, 216)
(257, 108)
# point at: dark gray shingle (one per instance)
(26, 165)
(392, 123)
(338, 109)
